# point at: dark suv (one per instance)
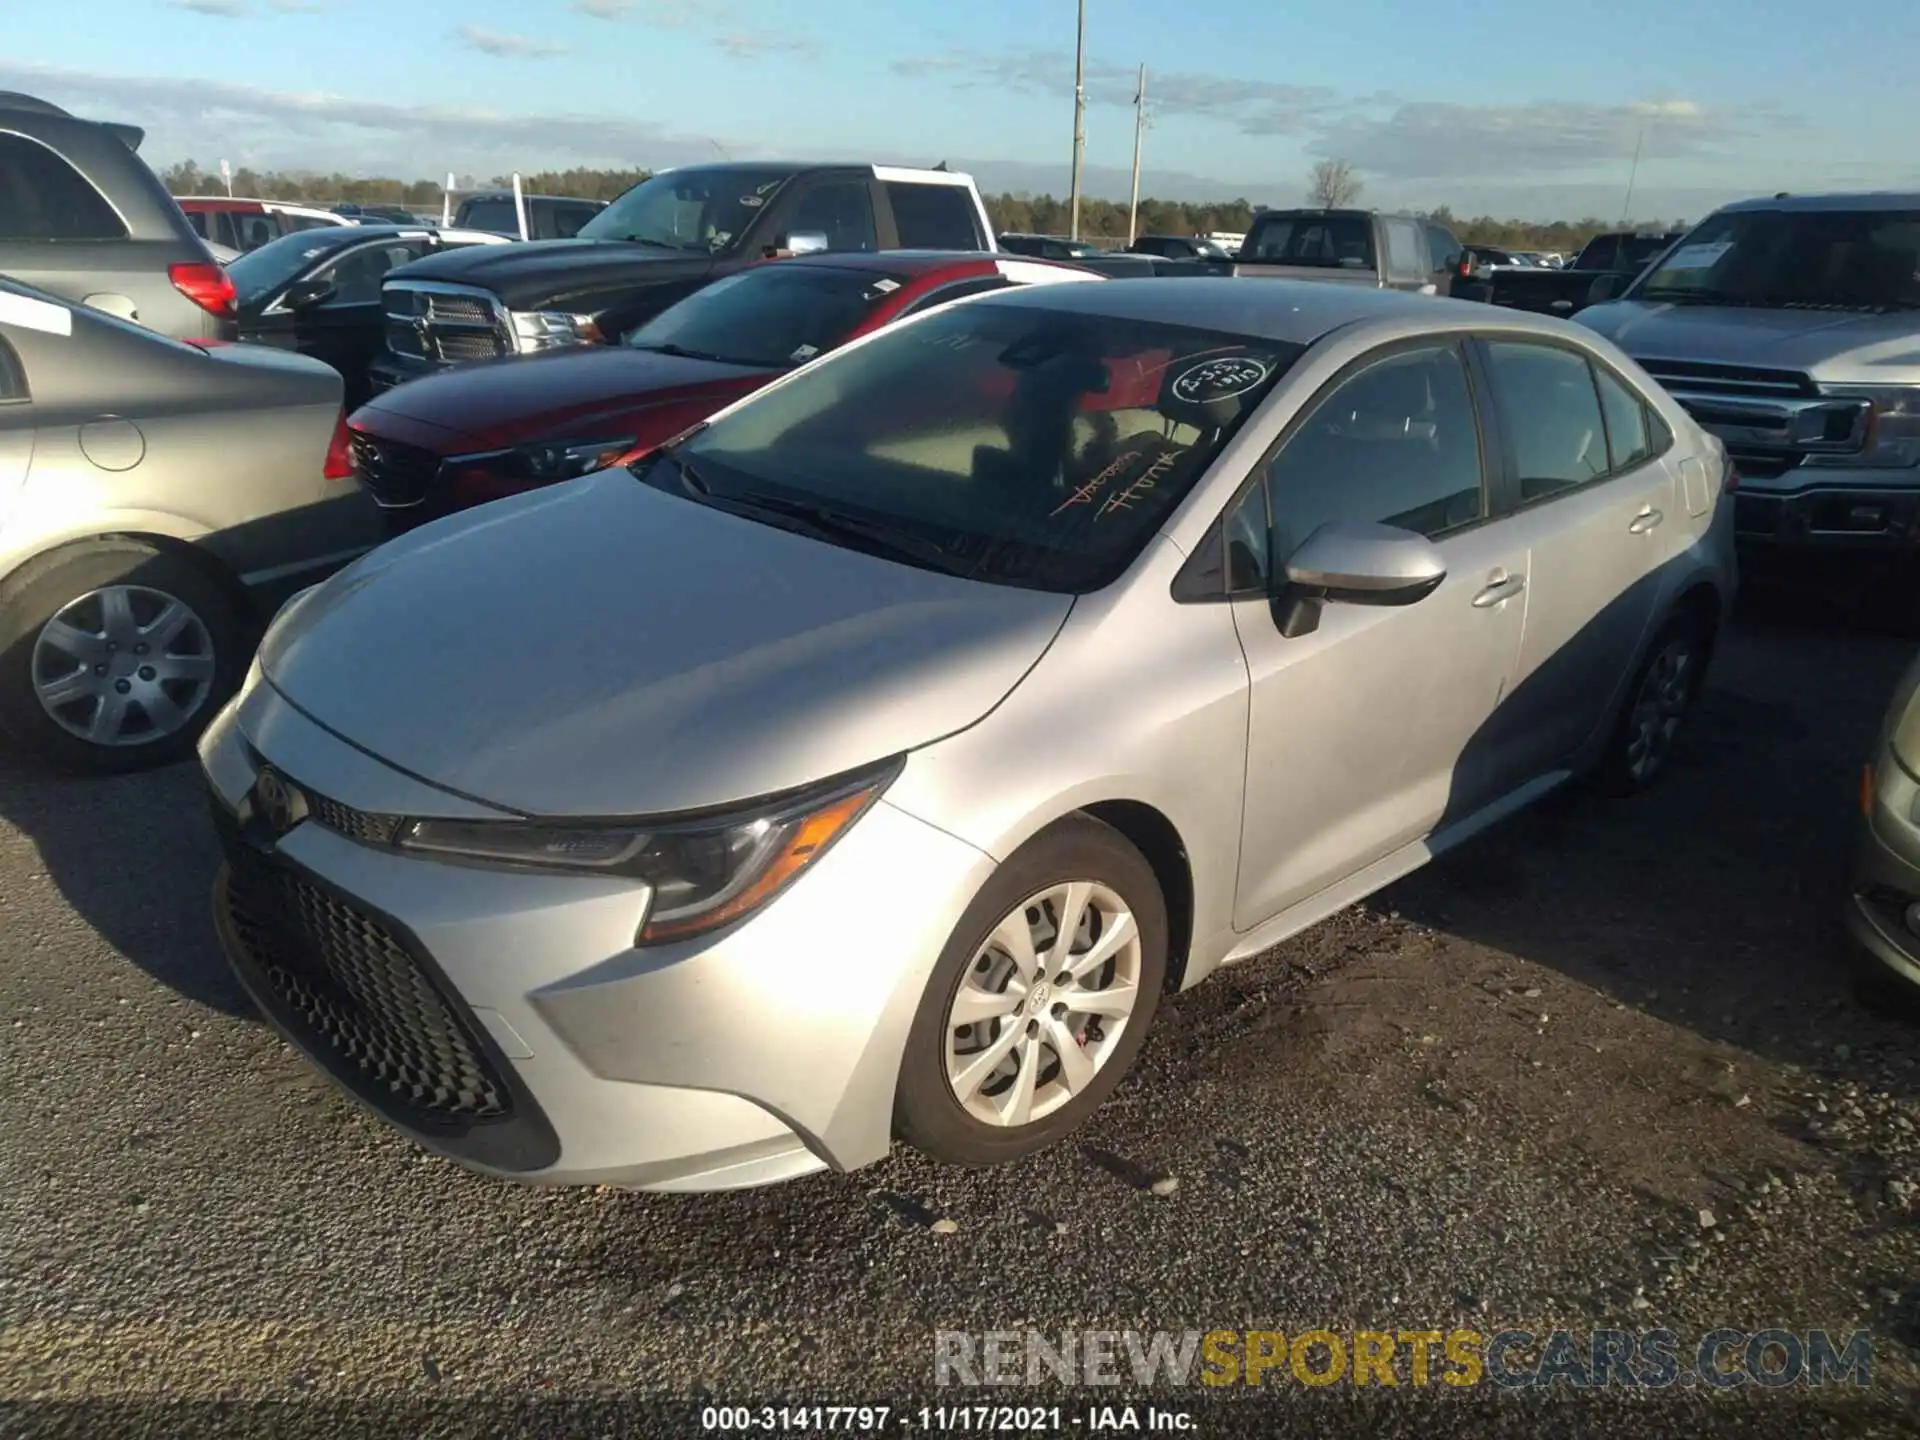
(82, 217)
(549, 217)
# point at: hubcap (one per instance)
(123, 665)
(1043, 1004)
(1659, 708)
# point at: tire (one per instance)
(1635, 757)
(1040, 878)
(198, 644)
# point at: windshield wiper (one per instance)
(1676, 295)
(680, 352)
(658, 243)
(826, 523)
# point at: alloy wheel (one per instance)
(1661, 704)
(123, 665)
(1041, 1007)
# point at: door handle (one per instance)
(1502, 589)
(1645, 521)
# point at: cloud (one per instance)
(1428, 140)
(758, 45)
(1254, 107)
(667, 14)
(316, 131)
(223, 9)
(515, 47)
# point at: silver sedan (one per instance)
(157, 501)
(872, 761)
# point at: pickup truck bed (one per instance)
(1616, 257)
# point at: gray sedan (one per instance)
(1883, 907)
(872, 760)
(156, 500)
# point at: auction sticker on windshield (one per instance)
(1698, 257)
(1220, 378)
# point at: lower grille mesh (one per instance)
(341, 977)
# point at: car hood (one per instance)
(532, 273)
(1834, 347)
(551, 397)
(603, 648)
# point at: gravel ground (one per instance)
(1602, 1069)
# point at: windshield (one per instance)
(1341, 241)
(258, 273)
(703, 209)
(1207, 250)
(770, 317)
(1012, 443)
(1837, 259)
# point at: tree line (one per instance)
(1100, 220)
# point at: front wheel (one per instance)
(1040, 1001)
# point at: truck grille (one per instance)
(396, 475)
(443, 325)
(347, 988)
(1744, 380)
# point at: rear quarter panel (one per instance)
(225, 449)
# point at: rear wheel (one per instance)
(1040, 1001)
(114, 656)
(1659, 699)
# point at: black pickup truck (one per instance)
(658, 243)
(1602, 270)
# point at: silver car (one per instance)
(157, 501)
(1883, 903)
(870, 761)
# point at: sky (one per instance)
(1529, 108)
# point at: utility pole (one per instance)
(1139, 130)
(1079, 118)
(1632, 174)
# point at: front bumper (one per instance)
(1886, 874)
(389, 370)
(505, 1020)
(1809, 509)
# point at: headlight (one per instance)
(1893, 426)
(552, 330)
(704, 873)
(546, 461)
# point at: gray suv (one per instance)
(82, 217)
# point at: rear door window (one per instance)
(1336, 241)
(1551, 412)
(42, 197)
(13, 376)
(934, 217)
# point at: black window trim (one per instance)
(945, 291)
(14, 389)
(1187, 589)
(1508, 490)
(126, 230)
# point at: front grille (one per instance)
(357, 1000)
(1743, 380)
(394, 474)
(462, 309)
(359, 825)
(443, 326)
(459, 345)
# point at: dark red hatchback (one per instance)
(482, 432)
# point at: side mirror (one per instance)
(1605, 288)
(807, 242)
(1348, 563)
(305, 294)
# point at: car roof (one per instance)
(508, 195)
(1295, 311)
(1834, 200)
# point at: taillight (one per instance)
(1729, 478)
(339, 464)
(206, 285)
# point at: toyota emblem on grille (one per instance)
(277, 803)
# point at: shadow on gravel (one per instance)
(1712, 901)
(134, 856)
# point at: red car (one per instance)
(486, 431)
